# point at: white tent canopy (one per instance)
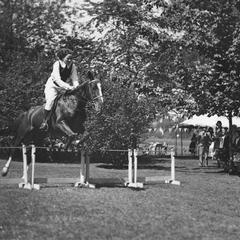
(205, 121)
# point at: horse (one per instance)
(67, 118)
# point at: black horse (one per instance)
(67, 118)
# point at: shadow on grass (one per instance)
(140, 167)
(207, 170)
(97, 186)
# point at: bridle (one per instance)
(85, 99)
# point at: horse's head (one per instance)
(95, 91)
(90, 91)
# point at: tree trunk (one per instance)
(230, 165)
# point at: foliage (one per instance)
(137, 46)
(29, 35)
(32, 25)
(176, 54)
(22, 86)
(121, 111)
(214, 69)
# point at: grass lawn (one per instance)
(205, 206)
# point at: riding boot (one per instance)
(44, 125)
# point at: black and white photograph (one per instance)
(119, 119)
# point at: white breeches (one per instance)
(50, 95)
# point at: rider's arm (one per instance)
(74, 76)
(57, 78)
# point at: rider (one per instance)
(63, 77)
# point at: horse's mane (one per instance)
(80, 87)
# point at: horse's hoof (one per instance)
(4, 171)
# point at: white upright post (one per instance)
(130, 177)
(84, 172)
(132, 173)
(172, 166)
(87, 167)
(25, 167)
(25, 184)
(33, 154)
(172, 180)
(135, 165)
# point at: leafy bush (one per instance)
(121, 111)
(22, 86)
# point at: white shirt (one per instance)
(55, 77)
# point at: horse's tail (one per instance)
(12, 127)
(11, 130)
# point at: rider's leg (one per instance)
(44, 125)
(50, 95)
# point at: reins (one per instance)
(83, 99)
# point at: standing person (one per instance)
(204, 141)
(193, 144)
(236, 141)
(236, 145)
(234, 133)
(210, 142)
(224, 153)
(63, 77)
(217, 137)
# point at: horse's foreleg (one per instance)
(25, 165)
(69, 141)
(65, 128)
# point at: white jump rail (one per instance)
(23, 182)
(84, 180)
(130, 181)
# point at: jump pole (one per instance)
(132, 172)
(84, 172)
(82, 181)
(25, 184)
(163, 179)
(172, 180)
(86, 181)
(21, 182)
(33, 154)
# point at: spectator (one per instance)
(224, 151)
(217, 136)
(204, 141)
(210, 150)
(236, 146)
(236, 141)
(211, 132)
(193, 144)
(234, 133)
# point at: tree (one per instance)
(121, 111)
(214, 72)
(136, 44)
(30, 32)
(36, 25)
